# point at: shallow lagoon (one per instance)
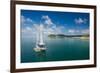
(57, 49)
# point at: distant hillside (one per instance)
(62, 35)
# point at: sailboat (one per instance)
(40, 45)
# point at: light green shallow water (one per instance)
(57, 49)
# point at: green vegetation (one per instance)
(62, 35)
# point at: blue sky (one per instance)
(68, 23)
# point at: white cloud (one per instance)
(22, 19)
(35, 26)
(59, 30)
(78, 32)
(26, 30)
(56, 30)
(54, 26)
(28, 27)
(85, 31)
(71, 31)
(45, 17)
(80, 21)
(26, 21)
(49, 31)
(29, 20)
(50, 27)
(47, 20)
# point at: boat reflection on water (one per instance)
(41, 56)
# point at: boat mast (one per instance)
(37, 37)
(41, 35)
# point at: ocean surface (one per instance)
(57, 49)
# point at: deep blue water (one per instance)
(57, 49)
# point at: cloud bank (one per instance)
(80, 21)
(29, 27)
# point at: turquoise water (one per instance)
(57, 49)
